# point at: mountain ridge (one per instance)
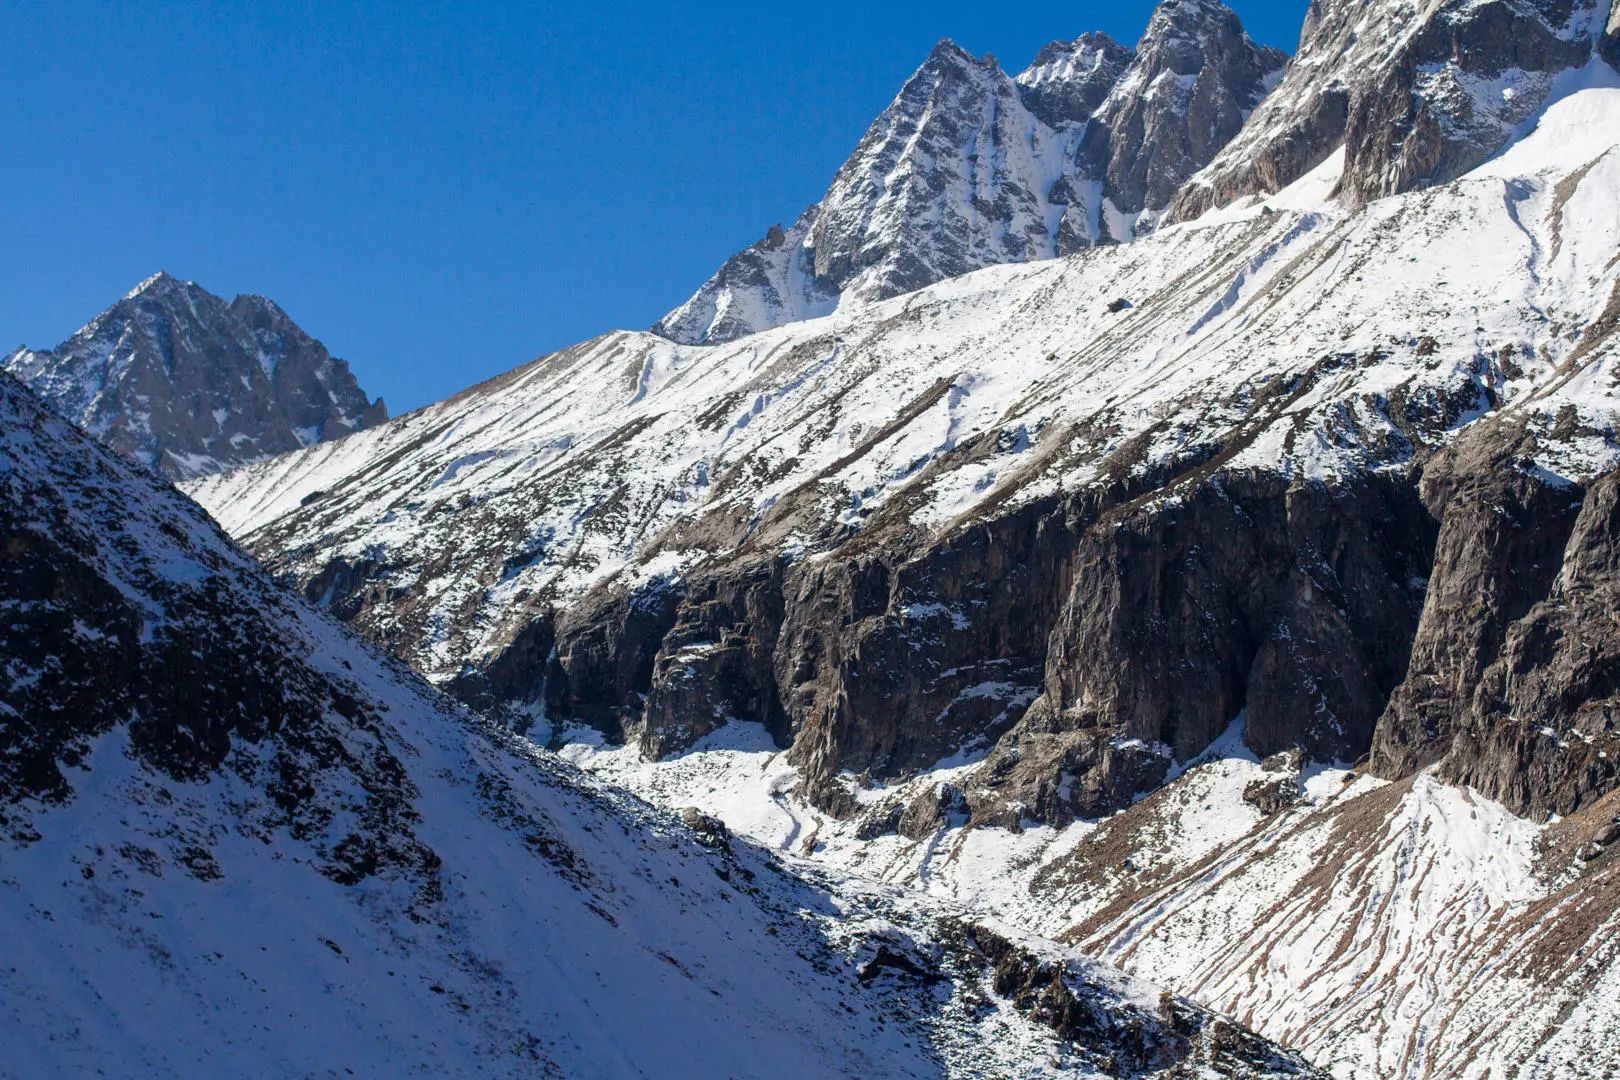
(971, 167)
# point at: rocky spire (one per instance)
(189, 384)
(1067, 80)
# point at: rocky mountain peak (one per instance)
(1067, 80)
(160, 282)
(1196, 77)
(188, 383)
(969, 168)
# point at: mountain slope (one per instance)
(237, 841)
(1011, 552)
(188, 384)
(970, 168)
(1403, 929)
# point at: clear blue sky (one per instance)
(442, 192)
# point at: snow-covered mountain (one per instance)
(235, 840)
(188, 383)
(971, 167)
(1318, 478)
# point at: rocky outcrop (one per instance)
(1068, 80)
(1410, 100)
(1048, 990)
(188, 384)
(1290, 604)
(1609, 44)
(1139, 629)
(1514, 685)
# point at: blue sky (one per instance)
(440, 194)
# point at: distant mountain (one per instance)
(190, 384)
(970, 167)
(236, 841)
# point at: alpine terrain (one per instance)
(1234, 602)
(189, 384)
(1164, 504)
(234, 840)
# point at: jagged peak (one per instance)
(254, 304)
(160, 282)
(1178, 16)
(945, 49)
(948, 56)
(1085, 54)
(1179, 39)
(1181, 29)
(948, 64)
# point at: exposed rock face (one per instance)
(188, 384)
(1067, 80)
(1195, 79)
(1516, 665)
(1411, 98)
(101, 633)
(953, 176)
(971, 168)
(1293, 604)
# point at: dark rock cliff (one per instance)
(1515, 665)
